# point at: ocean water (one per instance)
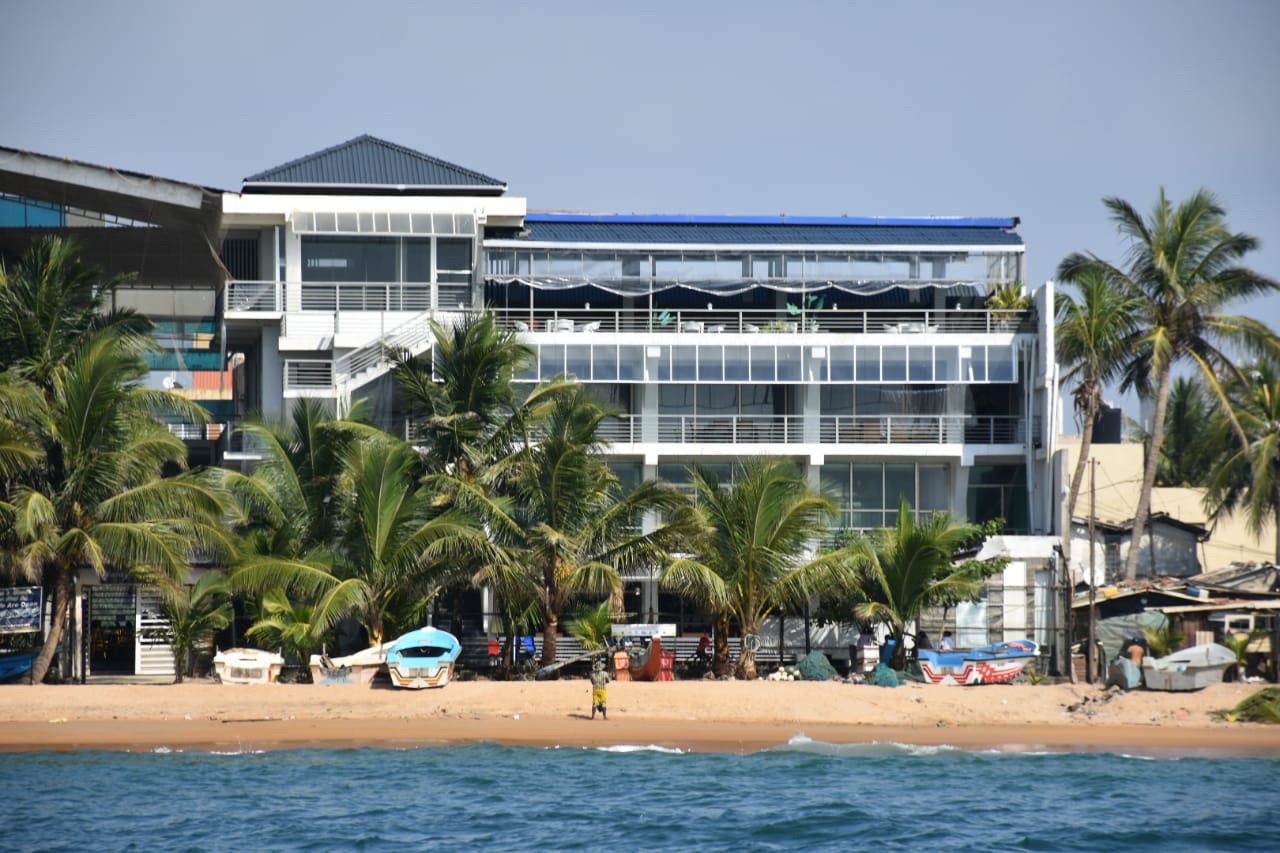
(805, 796)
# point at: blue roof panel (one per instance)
(369, 161)
(941, 231)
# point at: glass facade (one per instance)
(867, 493)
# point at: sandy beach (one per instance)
(695, 715)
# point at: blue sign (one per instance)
(20, 609)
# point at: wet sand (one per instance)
(696, 715)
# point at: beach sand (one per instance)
(730, 716)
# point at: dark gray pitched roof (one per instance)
(367, 163)
(755, 230)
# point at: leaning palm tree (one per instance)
(1092, 338)
(753, 552)
(1183, 265)
(910, 567)
(95, 499)
(1248, 477)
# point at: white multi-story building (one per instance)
(861, 349)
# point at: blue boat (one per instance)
(423, 658)
(15, 664)
(994, 664)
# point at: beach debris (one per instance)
(58, 720)
(515, 716)
(917, 698)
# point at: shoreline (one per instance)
(700, 716)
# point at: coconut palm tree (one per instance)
(1248, 477)
(195, 614)
(94, 497)
(50, 304)
(752, 554)
(910, 567)
(568, 527)
(1183, 265)
(1092, 339)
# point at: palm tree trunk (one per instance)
(549, 640)
(1086, 446)
(61, 598)
(720, 646)
(1148, 474)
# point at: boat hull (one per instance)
(996, 664)
(247, 666)
(358, 668)
(15, 664)
(423, 658)
(1190, 669)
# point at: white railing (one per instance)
(796, 429)
(799, 321)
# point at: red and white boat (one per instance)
(994, 664)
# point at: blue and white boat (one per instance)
(15, 664)
(423, 658)
(994, 664)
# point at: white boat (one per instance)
(1189, 669)
(423, 658)
(247, 666)
(357, 668)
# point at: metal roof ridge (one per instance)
(782, 219)
(255, 178)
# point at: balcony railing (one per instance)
(277, 296)
(197, 432)
(704, 321)
(796, 429)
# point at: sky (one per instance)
(1034, 110)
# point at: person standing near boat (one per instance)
(599, 690)
(947, 644)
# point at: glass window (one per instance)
(788, 364)
(578, 360)
(717, 400)
(604, 362)
(1000, 364)
(973, 364)
(552, 358)
(895, 364)
(737, 367)
(867, 362)
(350, 259)
(762, 368)
(946, 364)
(454, 255)
(836, 399)
(631, 363)
(757, 400)
(899, 483)
(920, 364)
(684, 363)
(676, 399)
(868, 486)
(841, 359)
(417, 260)
(934, 490)
(710, 363)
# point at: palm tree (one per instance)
(390, 541)
(568, 528)
(195, 614)
(910, 567)
(1249, 477)
(50, 304)
(297, 628)
(463, 386)
(94, 498)
(1092, 337)
(752, 554)
(1183, 267)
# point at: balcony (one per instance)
(829, 430)
(889, 321)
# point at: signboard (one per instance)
(20, 609)
(645, 629)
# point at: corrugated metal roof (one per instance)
(369, 161)
(747, 230)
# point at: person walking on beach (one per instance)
(599, 690)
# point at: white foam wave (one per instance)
(631, 747)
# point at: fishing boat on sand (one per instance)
(994, 664)
(247, 666)
(1189, 669)
(423, 658)
(16, 664)
(358, 668)
(651, 668)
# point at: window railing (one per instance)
(307, 374)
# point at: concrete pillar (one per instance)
(271, 374)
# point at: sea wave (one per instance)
(631, 747)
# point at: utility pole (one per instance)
(1090, 659)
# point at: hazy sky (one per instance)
(1025, 109)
